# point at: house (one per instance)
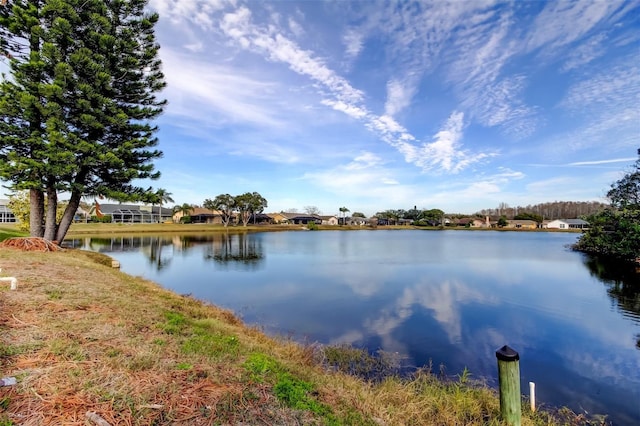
(568, 224)
(329, 220)
(260, 219)
(199, 215)
(522, 224)
(81, 215)
(302, 218)
(358, 221)
(278, 218)
(6, 215)
(471, 222)
(384, 221)
(131, 213)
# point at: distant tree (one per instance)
(159, 197)
(394, 215)
(248, 204)
(502, 222)
(19, 205)
(625, 193)
(413, 214)
(258, 204)
(21, 209)
(312, 210)
(75, 111)
(163, 196)
(343, 214)
(185, 209)
(225, 204)
(358, 214)
(615, 232)
(528, 216)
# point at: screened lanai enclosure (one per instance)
(6, 215)
(122, 213)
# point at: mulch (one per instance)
(31, 244)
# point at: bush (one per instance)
(185, 219)
(104, 219)
(312, 226)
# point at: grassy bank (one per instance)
(82, 337)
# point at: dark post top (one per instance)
(506, 353)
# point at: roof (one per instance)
(133, 209)
(300, 215)
(195, 211)
(574, 221)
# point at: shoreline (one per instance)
(82, 337)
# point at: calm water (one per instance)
(449, 297)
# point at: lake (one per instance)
(449, 298)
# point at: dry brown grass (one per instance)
(84, 337)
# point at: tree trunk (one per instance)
(36, 213)
(50, 222)
(67, 217)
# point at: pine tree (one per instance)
(75, 112)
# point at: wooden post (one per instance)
(509, 379)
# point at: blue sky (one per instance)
(375, 105)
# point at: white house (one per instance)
(568, 224)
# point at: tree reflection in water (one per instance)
(235, 249)
(623, 285)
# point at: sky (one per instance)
(376, 105)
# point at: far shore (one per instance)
(92, 229)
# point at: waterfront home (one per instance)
(131, 213)
(568, 224)
(522, 224)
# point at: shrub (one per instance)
(103, 219)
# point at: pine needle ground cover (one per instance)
(82, 338)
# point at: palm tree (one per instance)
(344, 211)
(162, 196)
(185, 209)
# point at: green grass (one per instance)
(11, 231)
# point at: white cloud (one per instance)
(590, 50)
(212, 94)
(595, 162)
(615, 87)
(296, 28)
(350, 110)
(564, 22)
(353, 42)
(445, 152)
(399, 96)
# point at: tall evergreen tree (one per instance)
(75, 112)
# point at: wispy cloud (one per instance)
(616, 87)
(353, 42)
(562, 23)
(214, 94)
(443, 154)
(445, 151)
(588, 163)
(590, 50)
(399, 95)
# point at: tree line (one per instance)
(615, 231)
(547, 211)
(244, 206)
